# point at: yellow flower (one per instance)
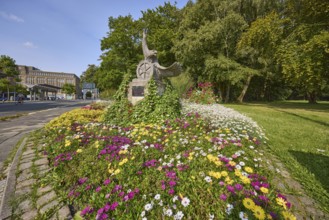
(245, 179)
(123, 162)
(193, 177)
(288, 216)
(237, 173)
(110, 171)
(248, 203)
(218, 163)
(97, 144)
(117, 171)
(67, 143)
(280, 201)
(232, 163)
(259, 213)
(123, 151)
(224, 173)
(79, 150)
(264, 190)
(248, 169)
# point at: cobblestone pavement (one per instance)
(305, 208)
(28, 198)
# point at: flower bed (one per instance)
(200, 166)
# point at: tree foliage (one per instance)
(258, 49)
(68, 89)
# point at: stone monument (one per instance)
(148, 68)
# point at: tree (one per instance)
(90, 74)
(9, 69)
(303, 54)
(257, 46)
(306, 66)
(206, 44)
(68, 89)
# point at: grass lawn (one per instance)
(299, 135)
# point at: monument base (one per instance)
(137, 90)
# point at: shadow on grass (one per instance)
(305, 118)
(320, 107)
(317, 164)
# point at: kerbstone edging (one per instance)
(28, 165)
(5, 208)
(46, 205)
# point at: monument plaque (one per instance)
(138, 90)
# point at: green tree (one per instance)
(9, 69)
(122, 49)
(303, 54)
(68, 89)
(206, 44)
(257, 46)
(90, 74)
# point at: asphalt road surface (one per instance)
(37, 114)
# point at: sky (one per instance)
(62, 35)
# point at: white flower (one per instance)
(161, 203)
(243, 216)
(185, 201)
(179, 215)
(211, 217)
(143, 213)
(242, 163)
(144, 218)
(157, 196)
(148, 207)
(208, 179)
(175, 198)
(168, 212)
(238, 167)
(178, 156)
(229, 208)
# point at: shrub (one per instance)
(202, 94)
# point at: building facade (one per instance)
(30, 75)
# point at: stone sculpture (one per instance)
(146, 69)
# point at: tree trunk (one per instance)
(311, 97)
(244, 90)
(227, 95)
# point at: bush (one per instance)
(203, 94)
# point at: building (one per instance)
(45, 84)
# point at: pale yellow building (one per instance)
(48, 82)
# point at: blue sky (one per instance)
(62, 35)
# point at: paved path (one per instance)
(10, 133)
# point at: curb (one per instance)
(5, 208)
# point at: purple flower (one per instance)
(107, 182)
(238, 187)
(82, 180)
(171, 192)
(221, 183)
(86, 210)
(171, 174)
(172, 183)
(98, 189)
(100, 211)
(114, 206)
(88, 187)
(230, 189)
(223, 197)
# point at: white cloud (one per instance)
(11, 17)
(29, 44)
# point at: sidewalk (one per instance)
(23, 198)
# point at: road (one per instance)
(37, 115)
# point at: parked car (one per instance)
(3, 99)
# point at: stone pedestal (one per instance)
(137, 90)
